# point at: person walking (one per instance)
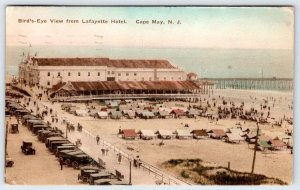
(61, 162)
(97, 139)
(103, 151)
(119, 158)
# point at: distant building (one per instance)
(47, 72)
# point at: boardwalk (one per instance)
(145, 175)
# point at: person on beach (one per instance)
(119, 158)
(103, 151)
(97, 139)
(106, 151)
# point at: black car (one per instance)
(27, 147)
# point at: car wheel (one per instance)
(68, 162)
(84, 180)
(75, 165)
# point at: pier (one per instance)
(284, 84)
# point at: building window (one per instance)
(143, 78)
(113, 72)
(89, 74)
(150, 78)
(48, 74)
(48, 83)
(134, 74)
(79, 74)
(69, 74)
(58, 74)
(165, 78)
(127, 74)
(98, 73)
(119, 74)
(108, 72)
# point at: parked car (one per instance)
(78, 160)
(86, 171)
(27, 147)
(9, 162)
(100, 175)
(14, 128)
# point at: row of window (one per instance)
(89, 74)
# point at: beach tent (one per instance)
(277, 144)
(81, 113)
(163, 114)
(183, 134)
(128, 134)
(192, 113)
(235, 130)
(147, 134)
(217, 133)
(147, 115)
(233, 137)
(102, 114)
(199, 133)
(93, 112)
(262, 145)
(165, 134)
(130, 114)
(116, 114)
(178, 113)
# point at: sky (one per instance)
(200, 27)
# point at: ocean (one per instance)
(208, 63)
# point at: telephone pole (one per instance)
(255, 147)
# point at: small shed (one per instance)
(147, 115)
(177, 113)
(277, 144)
(199, 133)
(147, 134)
(183, 134)
(262, 145)
(233, 138)
(102, 114)
(128, 134)
(217, 133)
(163, 114)
(165, 134)
(116, 115)
(192, 113)
(82, 113)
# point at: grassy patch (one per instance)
(196, 171)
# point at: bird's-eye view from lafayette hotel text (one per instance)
(149, 95)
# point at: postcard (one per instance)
(149, 95)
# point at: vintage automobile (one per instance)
(36, 128)
(64, 147)
(100, 175)
(51, 134)
(27, 147)
(65, 154)
(14, 128)
(49, 140)
(86, 171)
(76, 160)
(109, 182)
(54, 144)
(9, 162)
